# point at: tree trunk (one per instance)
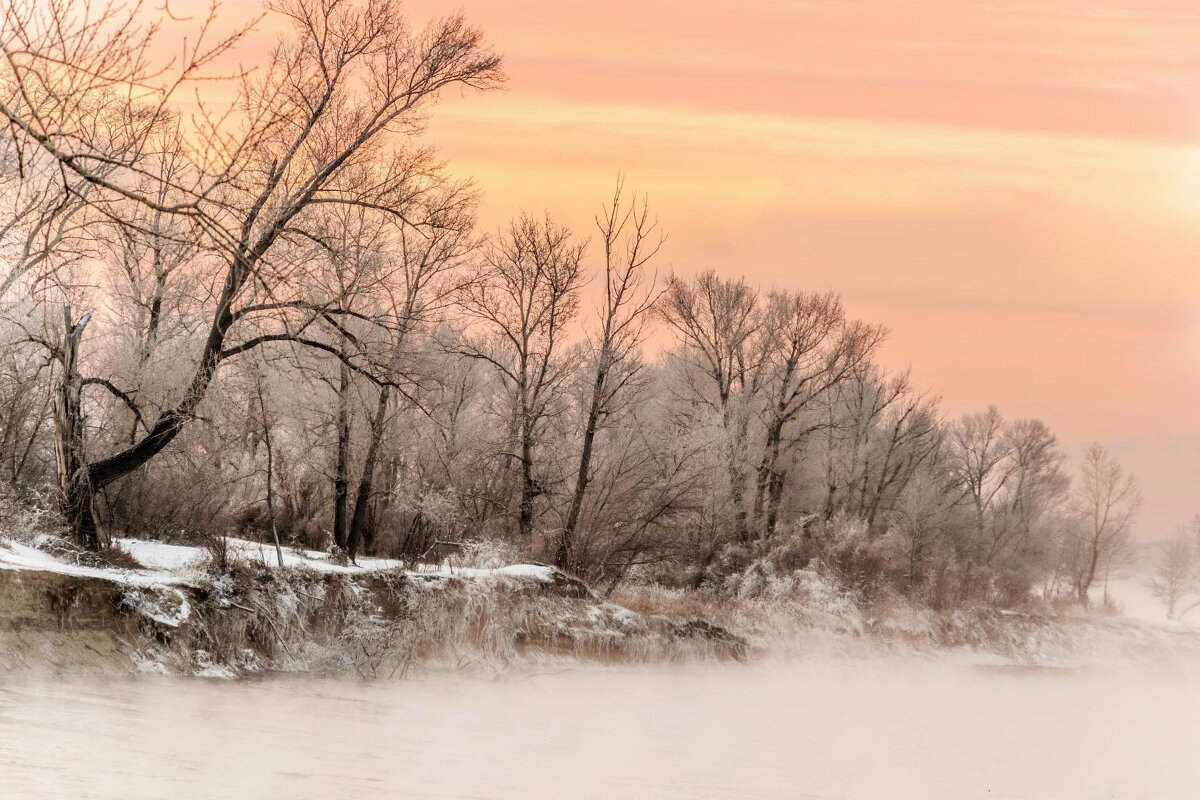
(266, 423)
(734, 452)
(768, 490)
(774, 501)
(1085, 583)
(341, 473)
(761, 479)
(528, 489)
(362, 503)
(565, 557)
(76, 493)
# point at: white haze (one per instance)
(820, 728)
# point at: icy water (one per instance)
(837, 729)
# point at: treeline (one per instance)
(277, 319)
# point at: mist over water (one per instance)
(812, 729)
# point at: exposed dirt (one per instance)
(63, 623)
(376, 624)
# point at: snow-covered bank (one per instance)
(17, 556)
(177, 613)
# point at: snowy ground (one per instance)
(1134, 599)
(21, 557)
(169, 564)
(1130, 592)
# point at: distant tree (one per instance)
(1107, 501)
(266, 424)
(415, 286)
(979, 454)
(1175, 580)
(879, 432)
(1035, 491)
(912, 439)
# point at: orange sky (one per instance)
(1012, 186)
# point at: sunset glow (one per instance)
(1013, 189)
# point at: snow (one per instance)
(160, 556)
(158, 606)
(540, 572)
(174, 565)
(313, 559)
(174, 557)
(1135, 601)
(1133, 597)
(15, 556)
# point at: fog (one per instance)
(834, 728)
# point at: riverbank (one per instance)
(176, 612)
(231, 611)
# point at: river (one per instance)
(837, 728)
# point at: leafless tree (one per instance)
(1035, 492)
(631, 239)
(1107, 503)
(44, 223)
(1175, 580)
(26, 397)
(717, 321)
(523, 296)
(330, 120)
(417, 287)
(808, 348)
(979, 454)
(911, 439)
(266, 429)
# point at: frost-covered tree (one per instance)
(523, 296)
(1107, 501)
(329, 119)
(1175, 580)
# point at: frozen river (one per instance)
(822, 729)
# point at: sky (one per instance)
(1012, 187)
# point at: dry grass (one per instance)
(676, 604)
(113, 555)
(386, 624)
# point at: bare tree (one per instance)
(26, 397)
(267, 426)
(716, 321)
(911, 438)
(44, 222)
(1035, 491)
(524, 295)
(416, 288)
(631, 239)
(73, 483)
(809, 347)
(1107, 503)
(979, 454)
(1175, 580)
(330, 120)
